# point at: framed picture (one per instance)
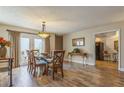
(116, 45)
(78, 42)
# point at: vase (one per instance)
(3, 51)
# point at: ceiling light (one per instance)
(43, 34)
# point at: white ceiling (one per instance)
(62, 19)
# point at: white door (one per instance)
(24, 46)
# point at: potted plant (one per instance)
(3, 44)
(76, 50)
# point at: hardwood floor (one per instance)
(107, 64)
(75, 75)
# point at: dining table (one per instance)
(10, 62)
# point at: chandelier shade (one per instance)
(43, 34)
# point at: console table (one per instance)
(10, 61)
(83, 55)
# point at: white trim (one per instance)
(119, 45)
(107, 31)
(80, 62)
(119, 49)
(121, 69)
(66, 59)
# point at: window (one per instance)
(38, 44)
(24, 46)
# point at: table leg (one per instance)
(10, 66)
(84, 60)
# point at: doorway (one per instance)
(25, 42)
(107, 50)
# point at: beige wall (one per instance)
(59, 42)
(89, 41)
(3, 32)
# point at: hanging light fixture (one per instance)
(43, 34)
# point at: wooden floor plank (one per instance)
(75, 75)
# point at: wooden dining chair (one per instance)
(29, 56)
(57, 63)
(30, 63)
(35, 51)
(38, 62)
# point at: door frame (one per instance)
(119, 44)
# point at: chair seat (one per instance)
(38, 62)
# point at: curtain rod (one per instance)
(20, 32)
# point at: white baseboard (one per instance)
(89, 63)
(121, 69)
(66, 60)
(80, 62)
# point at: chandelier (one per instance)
(43, 34)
